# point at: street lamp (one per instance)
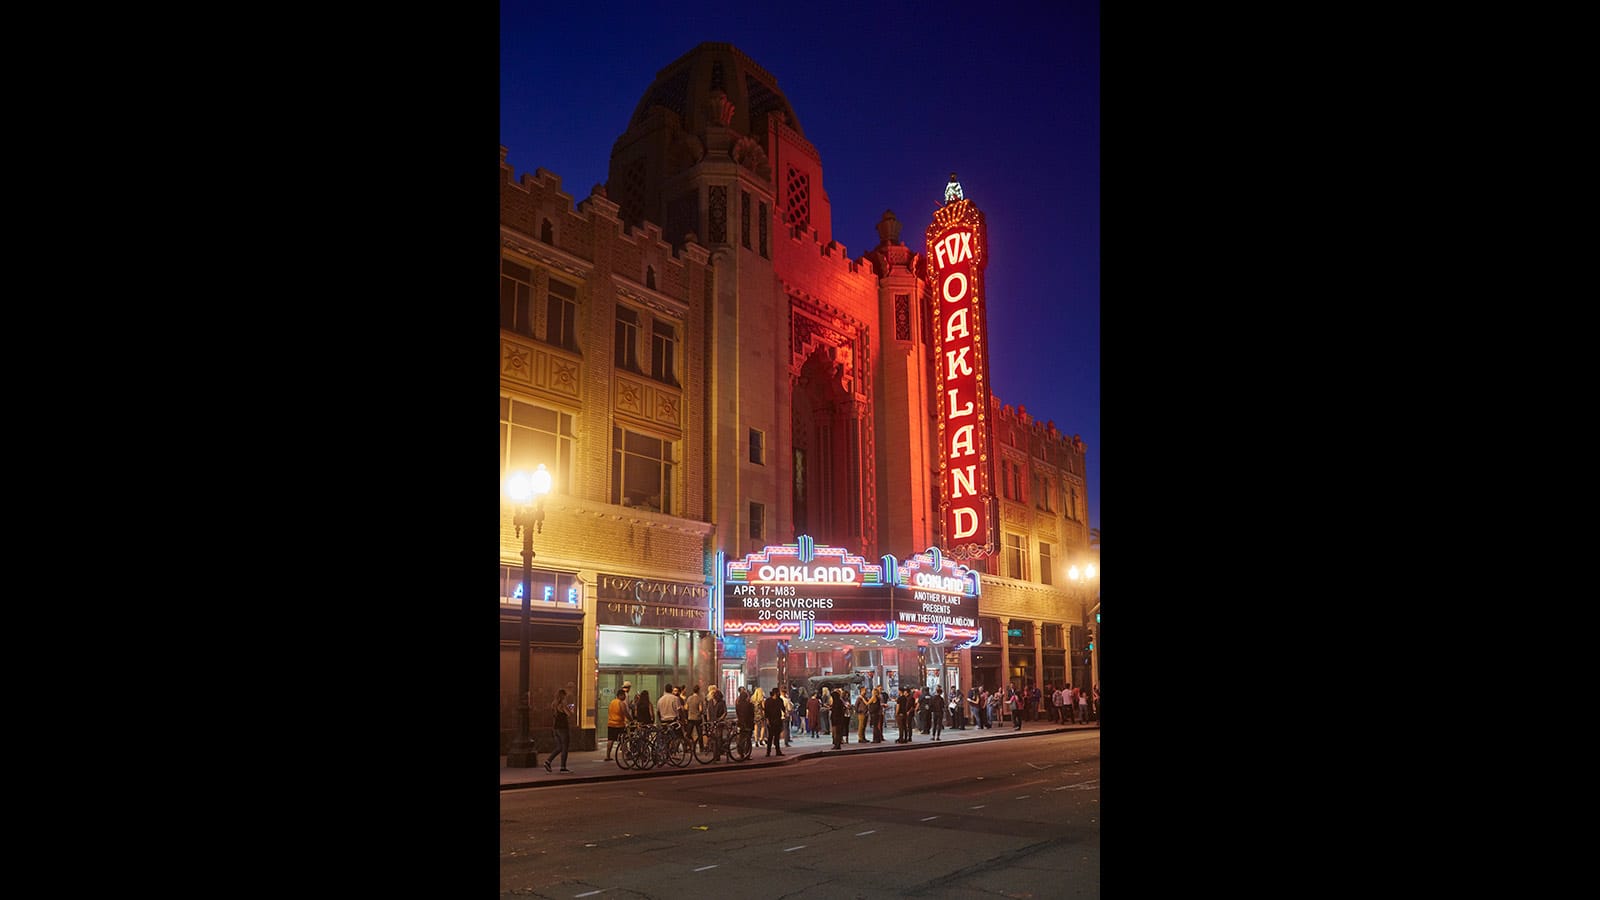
(528, 493)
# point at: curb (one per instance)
(697, 767)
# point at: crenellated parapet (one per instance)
(1041, 439)
(539, 220)
(829, 259)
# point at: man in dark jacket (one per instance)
(746, 712)
(773, 707)
(716, 711)
(839, 716)
(902, 716)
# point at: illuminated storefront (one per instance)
(803, 610)
(651, 633)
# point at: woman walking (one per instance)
(813, 715)
(563, 731)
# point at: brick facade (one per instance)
(825, 357)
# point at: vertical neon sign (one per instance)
(957, 252)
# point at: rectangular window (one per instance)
(516, 298)
(626, 345)
(641, 471)
(758, 447)
(763, 223)
(530, 435)
(1033, 486)
(1049, 485)
(561, 315)
(744, 218)
(1005, 479)
(1016, 556)
(1016, 486)
(1047, 565)
(758, 522)
(1052, 636)
(663, 352)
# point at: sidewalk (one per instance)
(592, 765)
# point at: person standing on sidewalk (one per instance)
(760, 700)
(745, 711)
(616, 719)
(1097, 701)
(788, 718)
(839, 717)
(668, 707)
(902, 716)
(936, 714)
(563, 731)
(716, 710)
(773, 707)
(1016, 710)
(644, 712)
(861, 716)
(695, 709)
(875, 714)
(1083, 707)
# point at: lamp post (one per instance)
(1084, 580)
(528, 493)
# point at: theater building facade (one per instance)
(769, 460)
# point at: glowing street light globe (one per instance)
(523, 487)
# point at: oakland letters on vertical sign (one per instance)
(957, 254)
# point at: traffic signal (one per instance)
(1091, 640)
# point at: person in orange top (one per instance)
(616, 719)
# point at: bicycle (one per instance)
(671, 746)
(716, 739)
(635, 751)
(744, 746)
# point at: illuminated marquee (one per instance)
(798, 588)
(804, 590)
(957, 254)
(933, 590)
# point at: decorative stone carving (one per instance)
(889, 228)
(750, 154)
(720, 107)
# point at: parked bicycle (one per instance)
(721, 738)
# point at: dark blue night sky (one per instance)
(894, 96)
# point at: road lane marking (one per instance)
(792, 849)
(590, 894)
(860, 833)
(703, 868)
(1024, 796)
(930, 818)
(979, 806)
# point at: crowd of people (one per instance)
(771, 720)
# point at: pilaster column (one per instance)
(1038, 658)
(1005, 653)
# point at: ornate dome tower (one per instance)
(713, 100)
